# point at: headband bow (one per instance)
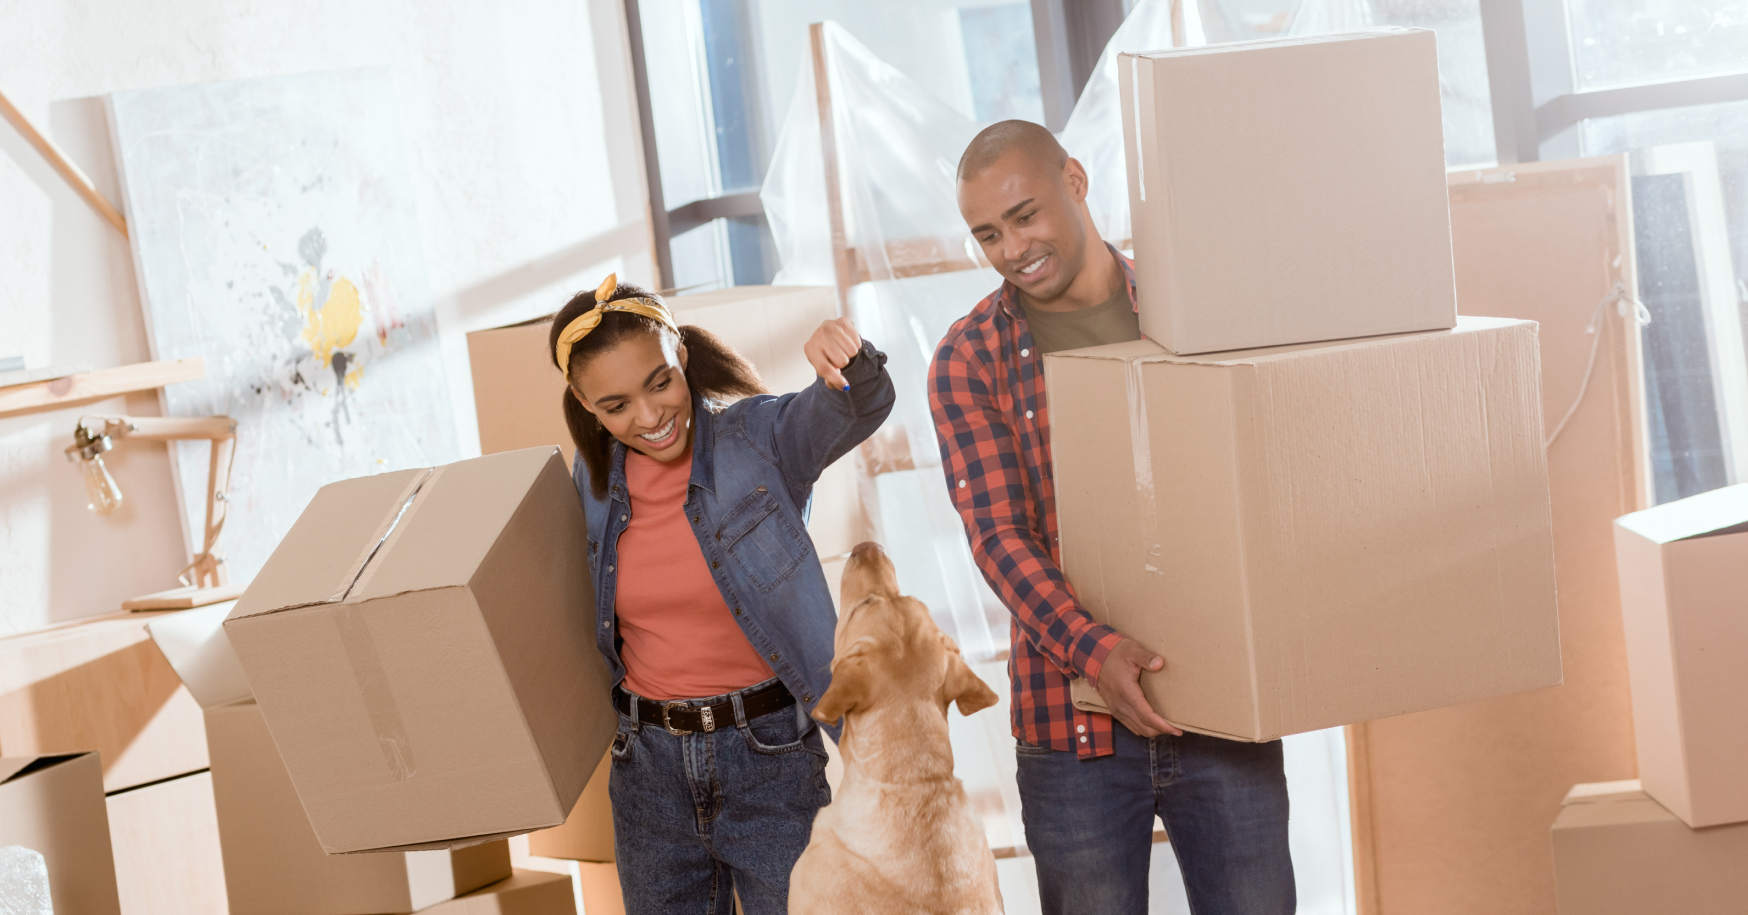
(582, 324)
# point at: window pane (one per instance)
(1462, 61)
(1626, 42)
(1690, 215)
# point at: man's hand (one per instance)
(1120, 686)
(831, 348)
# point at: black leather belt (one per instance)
(681, 717)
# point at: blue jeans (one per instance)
(697, 817)
(1224, 804)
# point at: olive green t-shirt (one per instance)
(1112, 321)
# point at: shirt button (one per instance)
(606, 624)
(695, 518)
(610, 569)
(1028, 416)
(961, 484)
(622, 518)
(773, 657)
(1081, 729)
(1083, 740)
(1025, 352)
(737, 611)
(713, 564)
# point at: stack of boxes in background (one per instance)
(1316, 491)
(1675, 839)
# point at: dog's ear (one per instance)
(851, 683)
(963, 686)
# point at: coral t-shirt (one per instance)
(680, 638)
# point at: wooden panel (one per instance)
(90, 387)
(100, 684)
(166, 843)
(1452, 808)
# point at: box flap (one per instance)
(314, 562)
(680, 304)
(1118, 352)
(12, 767)
(1603, 792)
(1466, 324)
(460, 514)
(1709, 514)
(194, 643)
(1263, 44)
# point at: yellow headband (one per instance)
(582, 324)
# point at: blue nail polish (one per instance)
(846, 387)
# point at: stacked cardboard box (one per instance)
(421, 648)
(97, 684)
(1684, 602)
(524, 893)
(516, 389)
(166, 848)
(53, 806)
(1313, 535)
(273, 864)
(1619, 852)
(1288, 191)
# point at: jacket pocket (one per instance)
(762, 540)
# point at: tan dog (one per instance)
(900, 836)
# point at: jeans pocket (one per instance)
(625, 740)
(1023, 748)
(777, 733)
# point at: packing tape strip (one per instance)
(1142, 448)
(361, 649)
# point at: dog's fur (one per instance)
(900, 836)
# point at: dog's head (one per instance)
(889, 648)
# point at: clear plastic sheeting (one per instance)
(24, 882)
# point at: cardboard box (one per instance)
(273, 863)
(517, 391)
(1618, 852)
(1287, 191)
(53, 805)
(525, 893)
(587, 834)
(1684, 601)
(1313, 535)
(422, 648)
(166, 845)
(97, 684)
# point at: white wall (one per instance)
(525, 160)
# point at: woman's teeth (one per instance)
(662, 433)
(1032, 267)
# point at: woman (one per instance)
(711, 609)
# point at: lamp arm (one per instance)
(215, 428)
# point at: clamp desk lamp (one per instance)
(204, 579)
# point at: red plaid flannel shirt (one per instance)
(986, 393)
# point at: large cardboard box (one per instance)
(1313, 535)
(1287, 191)
(525, 893)
(1618, 852)
(97, 684)
(587, 834)
(273, 863)
(166, 844)
(517, 391)
(422, 647)
(53, 805)
(1684, 602)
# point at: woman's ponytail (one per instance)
(715, 372)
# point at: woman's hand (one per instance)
(831, 348)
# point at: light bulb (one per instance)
(101, 494)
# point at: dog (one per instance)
(900, 836)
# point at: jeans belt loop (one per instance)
(740, 711)
(635, 721)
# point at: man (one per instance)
(1089, 787)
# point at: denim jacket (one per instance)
(754, 464)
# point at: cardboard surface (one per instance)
(166, 845)
(421, 648)
(1287, 191)
(98, 684)
(1452, 807)
(587, 834)
(54, 806)
(1618, 852)
(273, 863)
(1684, 604)
(524, 893)
(1313, 535)
(518, 393)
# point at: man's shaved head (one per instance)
(1003, 137)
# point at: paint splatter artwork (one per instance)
(274, 234)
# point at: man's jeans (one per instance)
(1224, 804)
(698, 816)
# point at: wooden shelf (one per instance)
(88, 387)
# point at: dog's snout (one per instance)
(866, 550)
